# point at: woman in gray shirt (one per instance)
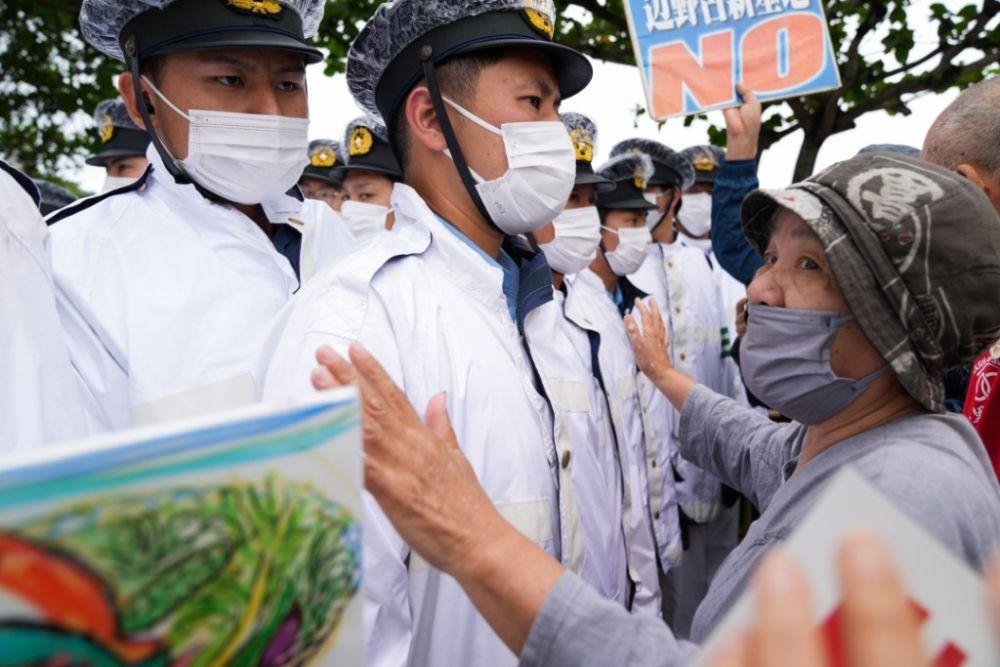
(879, 274)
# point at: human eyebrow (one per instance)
(805, 235)
(298, 68)
(232, 61)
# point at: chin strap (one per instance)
(131, 53)
(430, 74)
(169, 163)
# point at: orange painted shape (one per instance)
(709, 79)
(66, 594)
(806, 48)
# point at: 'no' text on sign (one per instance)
(692, 53)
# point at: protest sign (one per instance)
(692, 53)
(233, 540)
(949, 597)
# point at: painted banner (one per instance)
(948, 598)
(692, 53)
(234, 540)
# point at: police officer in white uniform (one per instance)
(597, 298)
(167, 286)
(566, 356)
(323, 177)
(370, 174)
(693, 311)
(40, 398)
(439, 301)
(123, 145)
(695, 225)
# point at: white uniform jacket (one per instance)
(39, 394)
(590, 305)
(659, 421)
(434, 313)
(590, 476)
(696, 351)
(166, 297)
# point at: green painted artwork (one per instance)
(243, 567)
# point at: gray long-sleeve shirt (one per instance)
(933, 467)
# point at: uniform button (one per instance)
(657, 516)
(677, 310)
(565, 459)
(654, 463)
(684, 357)
(670, 265)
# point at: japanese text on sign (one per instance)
(693, 52)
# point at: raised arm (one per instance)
(736, 179)
(426, 487)
(741, 447)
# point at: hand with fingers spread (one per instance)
(414, 468)
(651, 347)
(650, 342)
(427, 488)
(743, 124)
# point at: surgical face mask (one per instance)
(365, 220)
(540, 176)
(696, 214)
(243, 158)
(653, 216)
(633, 245)
(785, 361)
(115, 182)
(578, 235)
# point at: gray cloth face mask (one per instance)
(785, 361)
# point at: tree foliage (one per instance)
(50, 79)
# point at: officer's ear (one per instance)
(125, 87)
(422, 121)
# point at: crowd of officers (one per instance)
(468, 240)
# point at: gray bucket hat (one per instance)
(915, 250)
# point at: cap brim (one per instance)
(573, 71)
(102, 158)
(637, 204)
(385, 171)
(603, 184)
(245, 39)
(761, 206)
(336, 178)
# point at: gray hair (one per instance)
(968, 132)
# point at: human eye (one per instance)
(229, 80)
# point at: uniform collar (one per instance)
(511, 271)
(464, 266)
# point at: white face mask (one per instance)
(540, 176)
(243, 158)
(578, 235)
(696, 213)
(653, 215)
(115, 182)
(633, 245)
(365, 220)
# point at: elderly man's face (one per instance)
(797, 275)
